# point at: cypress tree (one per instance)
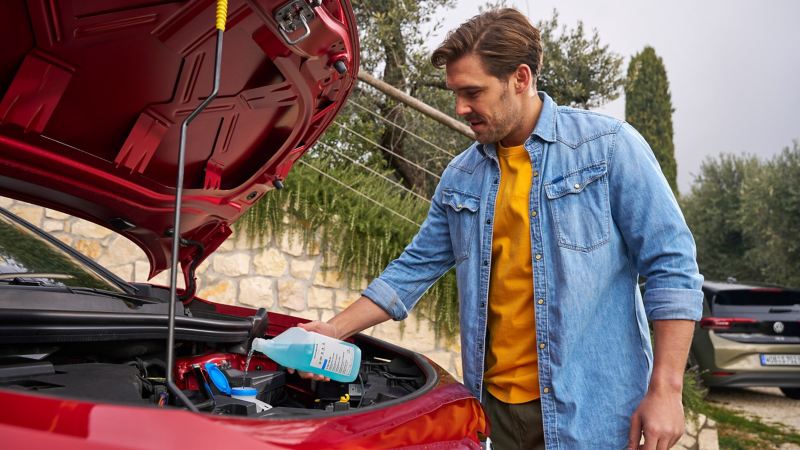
(648, 107)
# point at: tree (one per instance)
(770, 217)
(578, 70)
(713, 214)
(648, 107)
(745, 215)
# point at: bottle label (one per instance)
(332, 356)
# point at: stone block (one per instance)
(162, 279)
(708, 439)
(257, 291)
(443, 358)
(141, 269)
(65, 238)
(270, 262)
(57, 215)
(90, 230)
(222, 292)
(328, 278)
(292, 244)
(326, 315)
(389, 331)
(121, 251)
(687, 441)
(124, 271)
(50, 225)
(320, 298)
(345, 298)
(226, 246)
(232, 265)
(310, 314)
(292, 295)
(31, 213)
(90, 248)
(302, 268)
(418, 335)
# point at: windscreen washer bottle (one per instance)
(312, 352)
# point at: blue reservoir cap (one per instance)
(244, 391)
(218, 378)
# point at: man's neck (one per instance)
(530, 116)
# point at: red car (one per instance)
(94, 96)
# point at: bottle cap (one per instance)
(218, 378)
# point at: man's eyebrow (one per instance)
(466, 88)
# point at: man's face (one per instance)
(483, 100)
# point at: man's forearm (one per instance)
(672, 341)
(362, 314)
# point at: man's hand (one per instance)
(323, 328)
(660, 418)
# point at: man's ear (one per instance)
(522, 78)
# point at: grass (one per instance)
(738, 432)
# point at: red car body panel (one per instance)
(95, 93)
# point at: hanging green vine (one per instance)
(355, 236)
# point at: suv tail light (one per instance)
(724, 323)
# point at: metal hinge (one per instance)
(291, 17)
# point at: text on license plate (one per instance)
(780, 360)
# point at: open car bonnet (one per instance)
(93, 93)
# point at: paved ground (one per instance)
(768, 404)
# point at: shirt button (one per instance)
(483, 304)
(496, 180)
(533, 213)
(488, 221)
(541, 301)
(541, 345)
(577, 186)
(485, 262)
(546, 390)
(535, 173)
(538, 256)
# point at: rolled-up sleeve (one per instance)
(651, 222)
(429, 255)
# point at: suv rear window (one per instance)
(758, 297)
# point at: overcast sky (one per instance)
(733, 66)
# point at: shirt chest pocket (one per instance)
(580, 208)
(462, 215)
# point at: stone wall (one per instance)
(279, 275)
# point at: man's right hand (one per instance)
(325, 329)
(362, 314)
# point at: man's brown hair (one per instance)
(502, 38)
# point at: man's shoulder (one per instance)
(575, 126)
(468, 160)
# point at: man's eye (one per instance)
(473, 94)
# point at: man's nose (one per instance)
(462, 107)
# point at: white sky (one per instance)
(733, 66)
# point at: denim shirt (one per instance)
(601, 214)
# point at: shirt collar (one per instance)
(545, 126)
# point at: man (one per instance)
(550, 218)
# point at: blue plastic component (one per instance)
(218, 378)
(244, 391)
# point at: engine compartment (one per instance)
(134, 373)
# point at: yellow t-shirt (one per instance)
(511, 360)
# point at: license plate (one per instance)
(780, 360)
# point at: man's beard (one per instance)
(500, 125)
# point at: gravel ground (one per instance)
(768, 404)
